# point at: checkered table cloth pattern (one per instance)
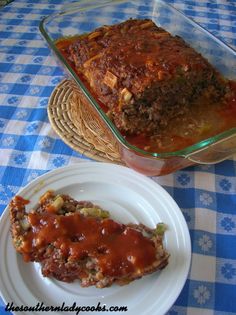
(29, 148)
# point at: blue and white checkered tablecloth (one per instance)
(29, 147)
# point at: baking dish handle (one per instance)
(215, 152)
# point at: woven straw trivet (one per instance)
(78, 127)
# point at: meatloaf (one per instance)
(77, 240)
(142, 73)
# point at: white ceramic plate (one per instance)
(130, 197)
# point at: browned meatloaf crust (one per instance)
(142, 73)
(77, 240)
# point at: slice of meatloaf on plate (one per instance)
(77, 240)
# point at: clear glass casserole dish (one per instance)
(83, 17)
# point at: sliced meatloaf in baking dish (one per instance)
(77, 240)
(143, 74)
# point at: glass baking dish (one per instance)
(84, 16)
